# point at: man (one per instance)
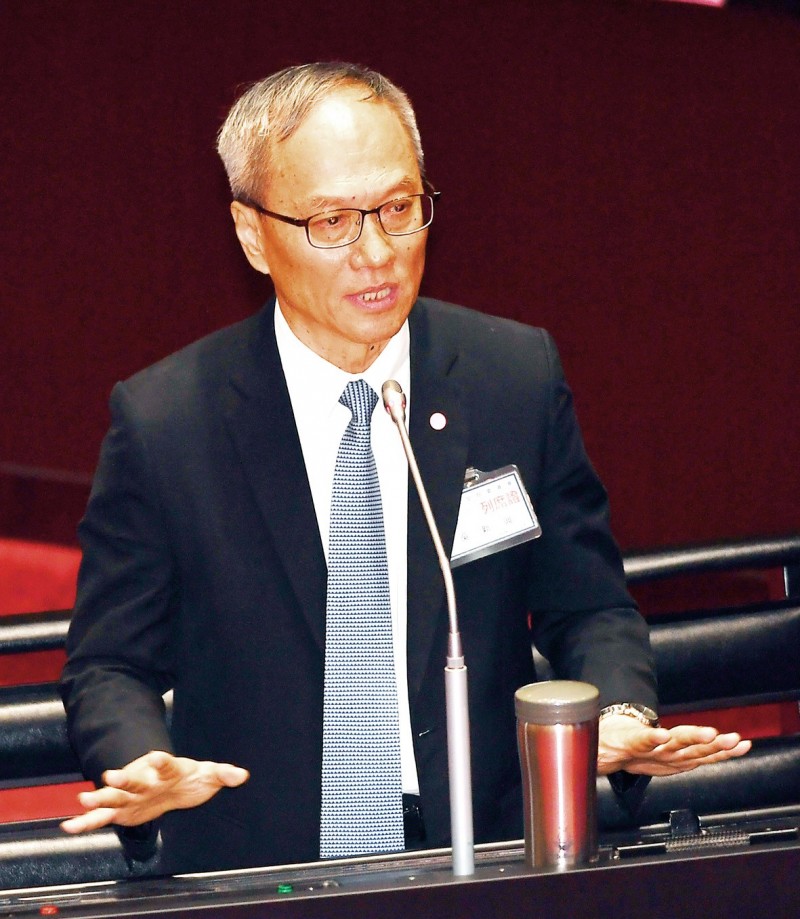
(207, 532)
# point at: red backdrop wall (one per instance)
(635, 168)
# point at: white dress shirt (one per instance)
(314, 389)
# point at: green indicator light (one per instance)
(285, 888)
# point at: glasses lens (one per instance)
(334, 228)
(398, 218)
(407, 215)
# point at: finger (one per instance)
(688, 744)
(721, 755)
(624, 741)
(231, 776)
(104, 797)
(649, 739)
(219, 774)
(703, 756)
(729, 741)
(167, 766)
(688, 758)
(144, 773)
(136, 780)
(93, 820)
(688, 734)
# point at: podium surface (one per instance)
(745, 868)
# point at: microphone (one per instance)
(455, 672)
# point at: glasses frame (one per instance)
(365, 212)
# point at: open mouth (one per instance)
(374, 296)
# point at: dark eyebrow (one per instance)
(321, 204)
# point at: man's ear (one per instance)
(248, 230)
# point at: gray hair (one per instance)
(273, 109)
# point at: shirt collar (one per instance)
(315, 384)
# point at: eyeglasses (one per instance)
(333, 229)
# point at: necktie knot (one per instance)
(361, 399)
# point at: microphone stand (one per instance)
(455, 673)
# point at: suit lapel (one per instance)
(261, 423)
(442, 457)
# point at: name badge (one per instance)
(496, 513)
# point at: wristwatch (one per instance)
(641, 713)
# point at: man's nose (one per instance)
(374, 246)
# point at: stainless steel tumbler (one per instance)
(557, 724)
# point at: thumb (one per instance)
(231, 776)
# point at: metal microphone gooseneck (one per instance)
(455, 673)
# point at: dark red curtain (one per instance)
(623, 173)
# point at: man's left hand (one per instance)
(626, 744)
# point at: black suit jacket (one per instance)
(204, 572)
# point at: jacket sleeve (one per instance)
(119, 647)
(584, 621)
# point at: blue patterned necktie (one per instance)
(362, 809)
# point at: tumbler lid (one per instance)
(557, 702)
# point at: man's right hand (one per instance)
(149, 787)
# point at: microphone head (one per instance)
(394, 400)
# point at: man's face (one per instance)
(344, 303)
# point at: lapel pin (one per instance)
(438, 421)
